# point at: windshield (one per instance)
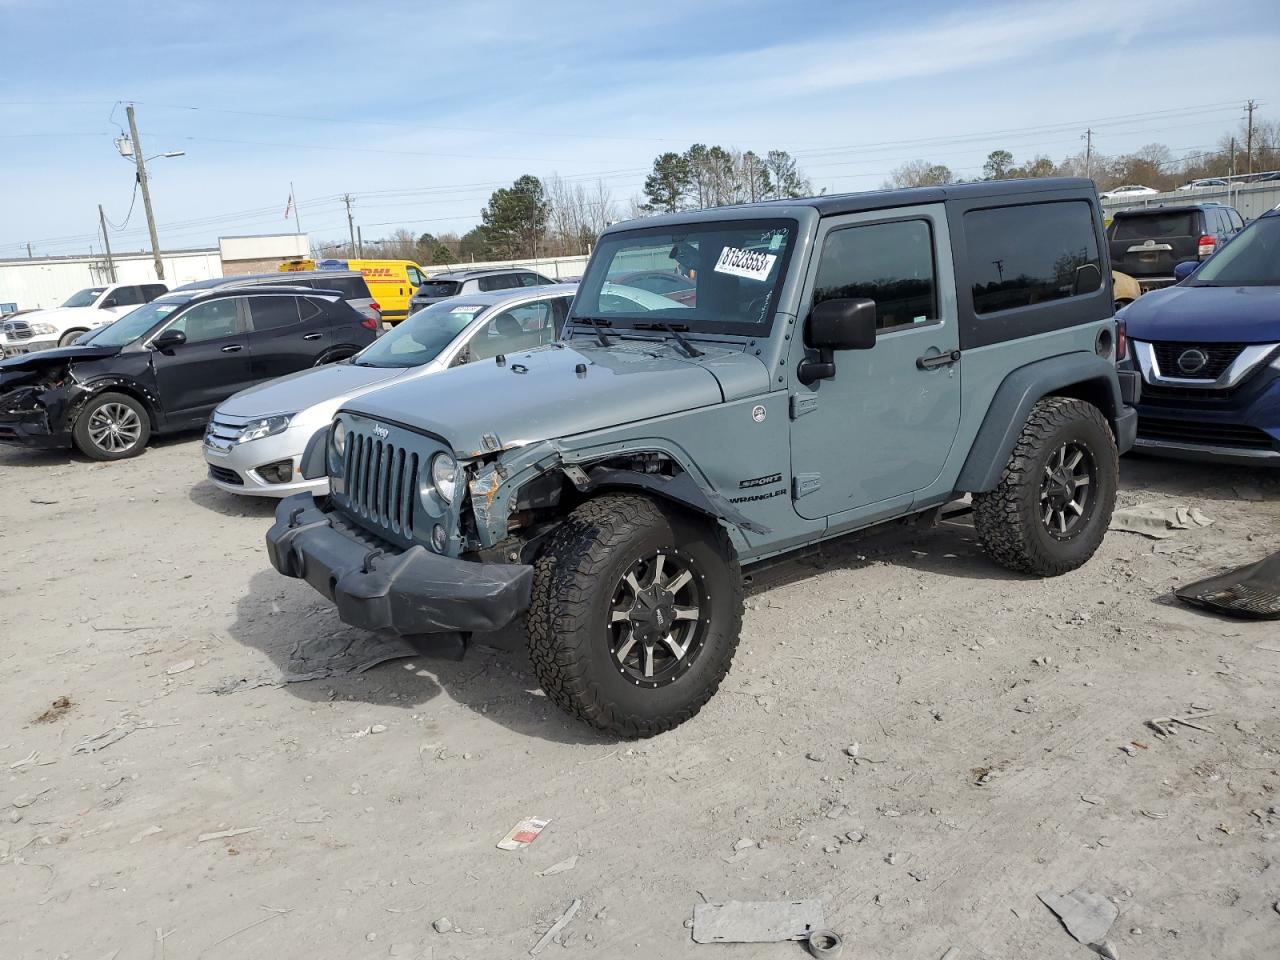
(136, 323)
(724, 277)
(419, 340)
(84, 298)
(1252, 259)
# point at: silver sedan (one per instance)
(254, 441)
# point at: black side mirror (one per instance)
(845, 324)
(169, 339)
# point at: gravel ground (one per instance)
(998, 722)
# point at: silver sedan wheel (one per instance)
(114, 427)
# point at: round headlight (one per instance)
(339, 439)
(444, 476)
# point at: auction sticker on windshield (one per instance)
(749, 264)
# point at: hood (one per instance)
(335, 382)
(1206, 315)
(541, 394)
(69, 316)
(44, 358)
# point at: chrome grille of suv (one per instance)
(381, 483)
(1218, 356)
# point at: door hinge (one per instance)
(804, 484)
(800, 405)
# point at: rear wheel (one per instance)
(112, 426)
(635, 614)
(1053, 504)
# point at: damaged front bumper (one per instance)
(24, 420)
(410, 592)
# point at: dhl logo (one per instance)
(377, 272)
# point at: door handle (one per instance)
(941, 360)
(313, 336)
(232, 348)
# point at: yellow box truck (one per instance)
(392, 282)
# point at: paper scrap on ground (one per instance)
(758, 921)
(221, 834)
(523, 833)
(321, 657)
(1086, 915)
(1157, 521)
(564, 866)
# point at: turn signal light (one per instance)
(1122, 340)
(376, 306)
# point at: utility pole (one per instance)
(1088, 152)
(1248, 149)
(28, 251)
(1233, 157)
(146, 192)
(359, 242)
(351, 228)
(106, 244)
(297, 223)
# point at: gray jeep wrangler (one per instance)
(842, 362)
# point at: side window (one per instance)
(1027, 254)
(152, 290)
(529, 279)
(272, 313)
(890, 263)
(416, 278)
(310, 310)
(128, 296)
(487, 283)
(209, 321)
(511, 330)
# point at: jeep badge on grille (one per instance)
(381, 432)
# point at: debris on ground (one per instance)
(145, 832)
(105, 739)
(223, 834)
(523, 833)
(1088, 916)
(1158, 522)
(555, 928)
(564, 866)
(443, 925)
(825, 944)
(758, 921)
(181, 666)
(1251, 592)
(55, 711)
(1165, 726)
(1106, 950)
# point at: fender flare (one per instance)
(681, 489)
(1084, 375)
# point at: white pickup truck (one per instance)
(84, 310)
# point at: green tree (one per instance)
(474, 245)
(783, 179)
(920, 173)
(442, 256)
(516, 218)
(667, 187)
(998, 165)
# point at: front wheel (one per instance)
(635, 614)
(70, 337)
(1053, 504)
(112, 426)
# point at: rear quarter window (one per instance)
(351, 288)
(1028, 254)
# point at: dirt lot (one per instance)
(373, 803)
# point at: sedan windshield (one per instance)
(137, 323)
(84, 298)
(724, 276)
(1252, 259)
(420, 339)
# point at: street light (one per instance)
(169, 153)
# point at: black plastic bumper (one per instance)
(1126, 429)
(413, 592)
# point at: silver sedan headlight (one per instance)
(444, 476)
(264, 427)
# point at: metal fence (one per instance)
(1250, 199)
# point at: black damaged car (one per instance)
(165, 366)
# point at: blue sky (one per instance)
(420, 109)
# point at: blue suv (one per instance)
(1208, 350)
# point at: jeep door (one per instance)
(863, 441)
(194, 377)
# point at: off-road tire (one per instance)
(70, 337)
(1008, 519)
(575, 576)
(81, 433)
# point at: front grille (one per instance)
(18, 330)
(223, 475)
(381, 482)
(1154, 392)
(1219, 357)
(1204, 434)
(225, 428)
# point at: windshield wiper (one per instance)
(674, 329)
(599, 326)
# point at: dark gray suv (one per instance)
(445, 285)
